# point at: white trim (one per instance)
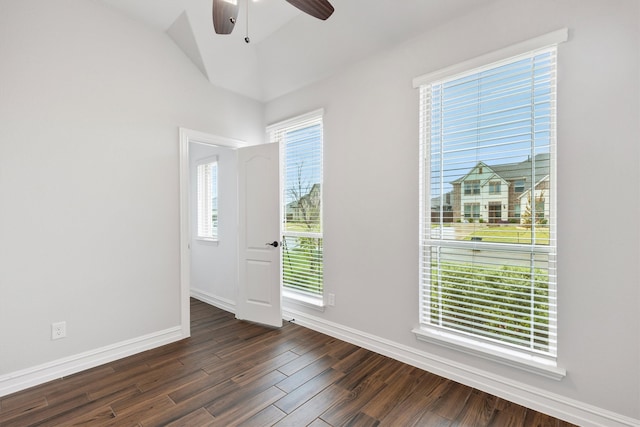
(204, 161)
(206, 138)
(185, 137)
(515, 359)
(293, 121)
(558, 406)
(23, 379)
(313, 302)
(221, 303)
(537, 43)
(210, 241)
(185, 233)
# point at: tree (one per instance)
(303, 261)
(305, 202)
(528, 211)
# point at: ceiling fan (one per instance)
(225, 12)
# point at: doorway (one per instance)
(195, 146)
(250, 251)
(495, 212)
(213, 223)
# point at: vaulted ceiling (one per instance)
(288, 48)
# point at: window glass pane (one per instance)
(302, 259)
(479, 293)
(302, 263)
(303, 179)
(207, 195)
(488, 267)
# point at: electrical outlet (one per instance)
(58, 330)
(332, 300)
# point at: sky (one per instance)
(488, 116)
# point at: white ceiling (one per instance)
(288, 48)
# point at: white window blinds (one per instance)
(302, 258)
(488, 263)
(207, 195)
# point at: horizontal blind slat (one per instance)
(301, 145)
(498, 282)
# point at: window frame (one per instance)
(313, 118)
(546, 365)
(495, 187)
(472, 187)
(516, 211)
(474, 210)
(214, 235)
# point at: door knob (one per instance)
(275, 244)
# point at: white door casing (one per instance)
(259, 269)
(188, 136)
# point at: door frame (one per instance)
(187, 136)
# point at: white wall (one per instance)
(90, 105)
(371, 159)
(214, 266)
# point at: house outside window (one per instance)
(491, 289)
(301, 144)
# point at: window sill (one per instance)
(314, 302)
(526, 362)
(207, 241)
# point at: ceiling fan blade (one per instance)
(225, 13)
(320, 9)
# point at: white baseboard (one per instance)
(537, 399)
(221, 303)
(23, 379)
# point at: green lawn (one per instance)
(301, 227)
(302, 264)
(511, 234)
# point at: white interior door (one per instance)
(259, 297)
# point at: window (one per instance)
(472, 210)
(490, 289)
(302, 260)
(207, 194)
(519, 186)
(472, 187)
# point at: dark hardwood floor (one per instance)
(236, 373)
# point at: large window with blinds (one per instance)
(301, 153)
(487, 234)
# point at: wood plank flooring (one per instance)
(233, 373)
